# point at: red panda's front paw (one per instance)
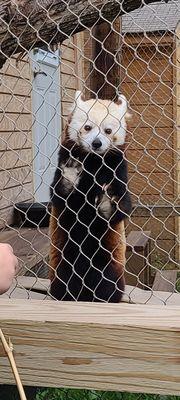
(104, 206)
(70, 175)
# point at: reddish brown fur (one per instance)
(58, 240)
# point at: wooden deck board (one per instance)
(120, 347)
(165, 280)
(25, 287)
(30, 245)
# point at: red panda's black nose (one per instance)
(96, 144)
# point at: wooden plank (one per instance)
(25, 241)
(137, 240)
(68, 95)
(177, 117)
(20, 70)
(151, 39)
(118, 347)
(156, 210)
(8, 197)
(154, 92)
(132, 294)
(15, 85)
(26, 287)
(14, 103)
(33, 283)
(66, 108)
(137, 269)
(152, 183)
(163, 228)
(165, 281)
(136, 295)
(31, 246)
(151, 116)
(146, 69)
(150, 199)
(17, 158)
(15, 140)
(79, 58)
(69, 42)
(23, 294)
(14, 68)
(150, 161)
(14, 122)
(27, 263)
(14, 177)
(6, 217)
(69, 82)
(156, 138)
(67, 53)
(7, 234)
(68, 67)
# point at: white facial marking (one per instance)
(99, 115)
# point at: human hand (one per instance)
(8, 266)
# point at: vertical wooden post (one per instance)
(103, 47)
(177, 141)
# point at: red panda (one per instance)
(90, 201)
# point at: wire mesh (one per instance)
(37, 95)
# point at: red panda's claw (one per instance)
(105, 187)
(114, 199)
(96, 200)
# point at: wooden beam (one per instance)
(151, 39)
(97, 346)
(177, 118)
(104, 79)
(25, 24)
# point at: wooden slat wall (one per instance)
(147, 81)
(16, 146)
(177, 117)
(15, 137)
(70, 74)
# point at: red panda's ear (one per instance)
(118, 101)
(123, 104)
(78, 101)
(79, 96)
(128, 115)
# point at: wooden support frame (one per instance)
(118, 347)
(177, 118)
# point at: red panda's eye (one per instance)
(108, 131)
(87, 127)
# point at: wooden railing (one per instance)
(122, 347)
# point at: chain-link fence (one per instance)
(137, 56)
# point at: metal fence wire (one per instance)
(42, 113)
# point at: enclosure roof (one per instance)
(153, 17)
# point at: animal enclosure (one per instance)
(108, 51)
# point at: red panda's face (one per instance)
(98, 125)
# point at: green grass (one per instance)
(77, 394)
